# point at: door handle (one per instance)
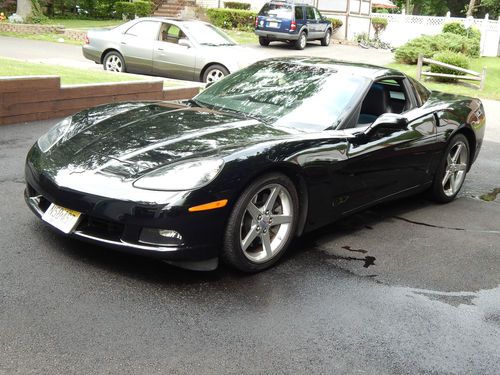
(160, 49)
(124, 43)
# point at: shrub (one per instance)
(452, 58)
(125, 8)
(429, 45)
(459, 29)
(379, 24)
(236, 5)
(336, 24)
(232, 18)
(143, 8)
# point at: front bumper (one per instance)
(275, 35)
(118, 223)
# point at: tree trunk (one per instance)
(23, 8)
(471, 9)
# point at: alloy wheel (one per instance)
(267, 223)
(455, 169)
(215, 75)
(114, 64)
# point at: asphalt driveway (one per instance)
(407, 287)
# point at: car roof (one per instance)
(289, 2)
(373, 72)
(178, 20)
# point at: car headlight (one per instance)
(182, 176)
(49, 139)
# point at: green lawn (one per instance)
(242, 37)
(82, 24)
(491, 87)
(68, 76)
(44, 37)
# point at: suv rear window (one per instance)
(277, 10)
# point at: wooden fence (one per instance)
(35, 98)
(470, 75)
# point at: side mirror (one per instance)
(389, 121)
(184, 42)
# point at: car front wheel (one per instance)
(214, 73)
(301, 42)
(262, 224)
(452, 170)
(113, 62)
(326, 39)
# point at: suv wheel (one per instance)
(326, 39)
(263, 41)
(302, 41)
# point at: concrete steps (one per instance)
(171, 8)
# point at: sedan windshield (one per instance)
(307, 98)
(208, 35)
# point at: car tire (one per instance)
(327, 38)
(264, 42)
(214, 73)
(301, 42)
(114, 62)
(254, 239)
(452, 170)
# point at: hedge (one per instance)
(243, 20)
(143, 8)
(236, 5)
(459, 29)
(336, 23)
(429, 45)
(452, 58)
(128, 9)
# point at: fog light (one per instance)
(163, 237)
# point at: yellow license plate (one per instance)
(62, 218)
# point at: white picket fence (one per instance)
(401, 28)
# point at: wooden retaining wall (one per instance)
(24, 99)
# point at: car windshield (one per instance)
(208, 35)
(277, 10)
(307, 98)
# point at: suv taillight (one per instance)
(256, 21)
(293, 26)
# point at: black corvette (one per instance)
(268, 153)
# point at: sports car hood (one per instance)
(128, 140)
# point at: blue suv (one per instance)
(292, 23)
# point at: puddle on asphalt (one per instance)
(491, 196)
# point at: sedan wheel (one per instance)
(262, 224)
(215, 73)
(113, 62)
(452, 171)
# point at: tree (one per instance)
(471, 8)
(24, 8)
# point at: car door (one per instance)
(312, 23)
(391, 160)
(321, 24)
(137, 46)
(171, 58)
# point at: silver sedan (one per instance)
(191, 50)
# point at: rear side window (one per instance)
(277, 10)
(420, 91)
(310, 13)
(147, 30)
(299, 13)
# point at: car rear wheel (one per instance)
(327, 38)
(214, 73)
(114, 62)
(452, 170)
(262, 224)
(301, 42)
(263, 41)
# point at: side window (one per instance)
(147, 30)
(421, 92)
(171, 33)
(310, 13)
(299, 13)
(317, 14)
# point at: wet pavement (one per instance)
(407, 287)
